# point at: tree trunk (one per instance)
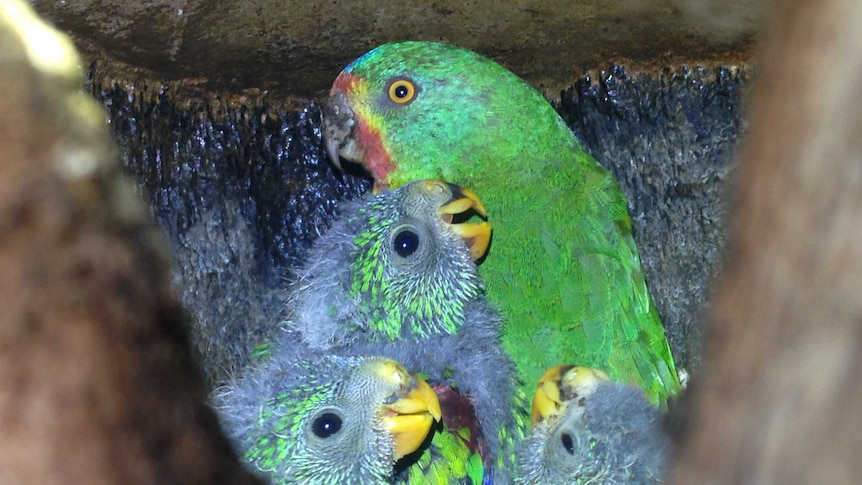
(780, 396)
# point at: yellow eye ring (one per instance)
(402, 91)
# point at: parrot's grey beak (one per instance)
(332, 150)
(338, 125)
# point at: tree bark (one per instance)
(780, 396)
(97, 380)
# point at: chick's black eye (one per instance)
(568, 444)
(406, 243)
(326, 425)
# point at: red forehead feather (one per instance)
(344, 83)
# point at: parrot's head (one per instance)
(413, 264)
(589, 429)
(343, 420)
(560, 449)
(415, 110)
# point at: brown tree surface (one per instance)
(97, 384)
(780, 398)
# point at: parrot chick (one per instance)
(588, 429)
(332, 420)
(395, 266)
(396, 276)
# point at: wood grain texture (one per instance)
(780, 397)
(97, 382)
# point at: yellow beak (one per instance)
(560, 384)
(477, 235)
(413, 410)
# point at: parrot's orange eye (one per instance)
(402, 91)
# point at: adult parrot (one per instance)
(330, 420)
(395, 276)
(563, 266)
(589, 429)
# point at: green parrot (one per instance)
(589, 429)
(330, 420)
(563, 266)
(395, 276)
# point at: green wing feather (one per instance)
(448, 460)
